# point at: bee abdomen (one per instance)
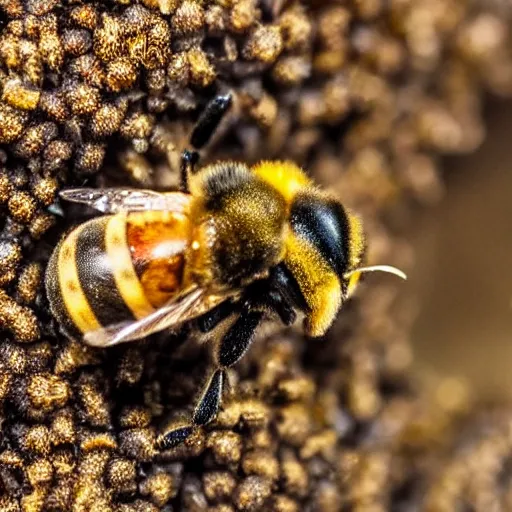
(95, 269)
(91, 281)
(56, 299)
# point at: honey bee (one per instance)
(236, 240)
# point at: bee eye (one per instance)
(323, 224)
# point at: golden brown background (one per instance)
(463, 271)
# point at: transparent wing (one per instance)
(115, 200)
(186, 306)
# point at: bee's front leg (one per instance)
(210, 119)
(202, 133)
(189, 160)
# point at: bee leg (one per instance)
(210, 320)
(209, 402)
(205, 127)
(209, 120)
(230, 350)
(188, 161)
(206, 409)
(174, 437)
(238, 339)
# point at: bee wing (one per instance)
(186, 306)
(115, 200)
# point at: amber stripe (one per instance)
(75, 300)
(55, 298)
(127, 282)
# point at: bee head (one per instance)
(325, 250)
(324, 244)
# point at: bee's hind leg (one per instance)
(229, 351)
(204, 129)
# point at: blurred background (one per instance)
(462, 273)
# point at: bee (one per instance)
(236, 241)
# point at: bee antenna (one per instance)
(378, 268)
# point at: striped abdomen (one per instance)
(116, 268)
